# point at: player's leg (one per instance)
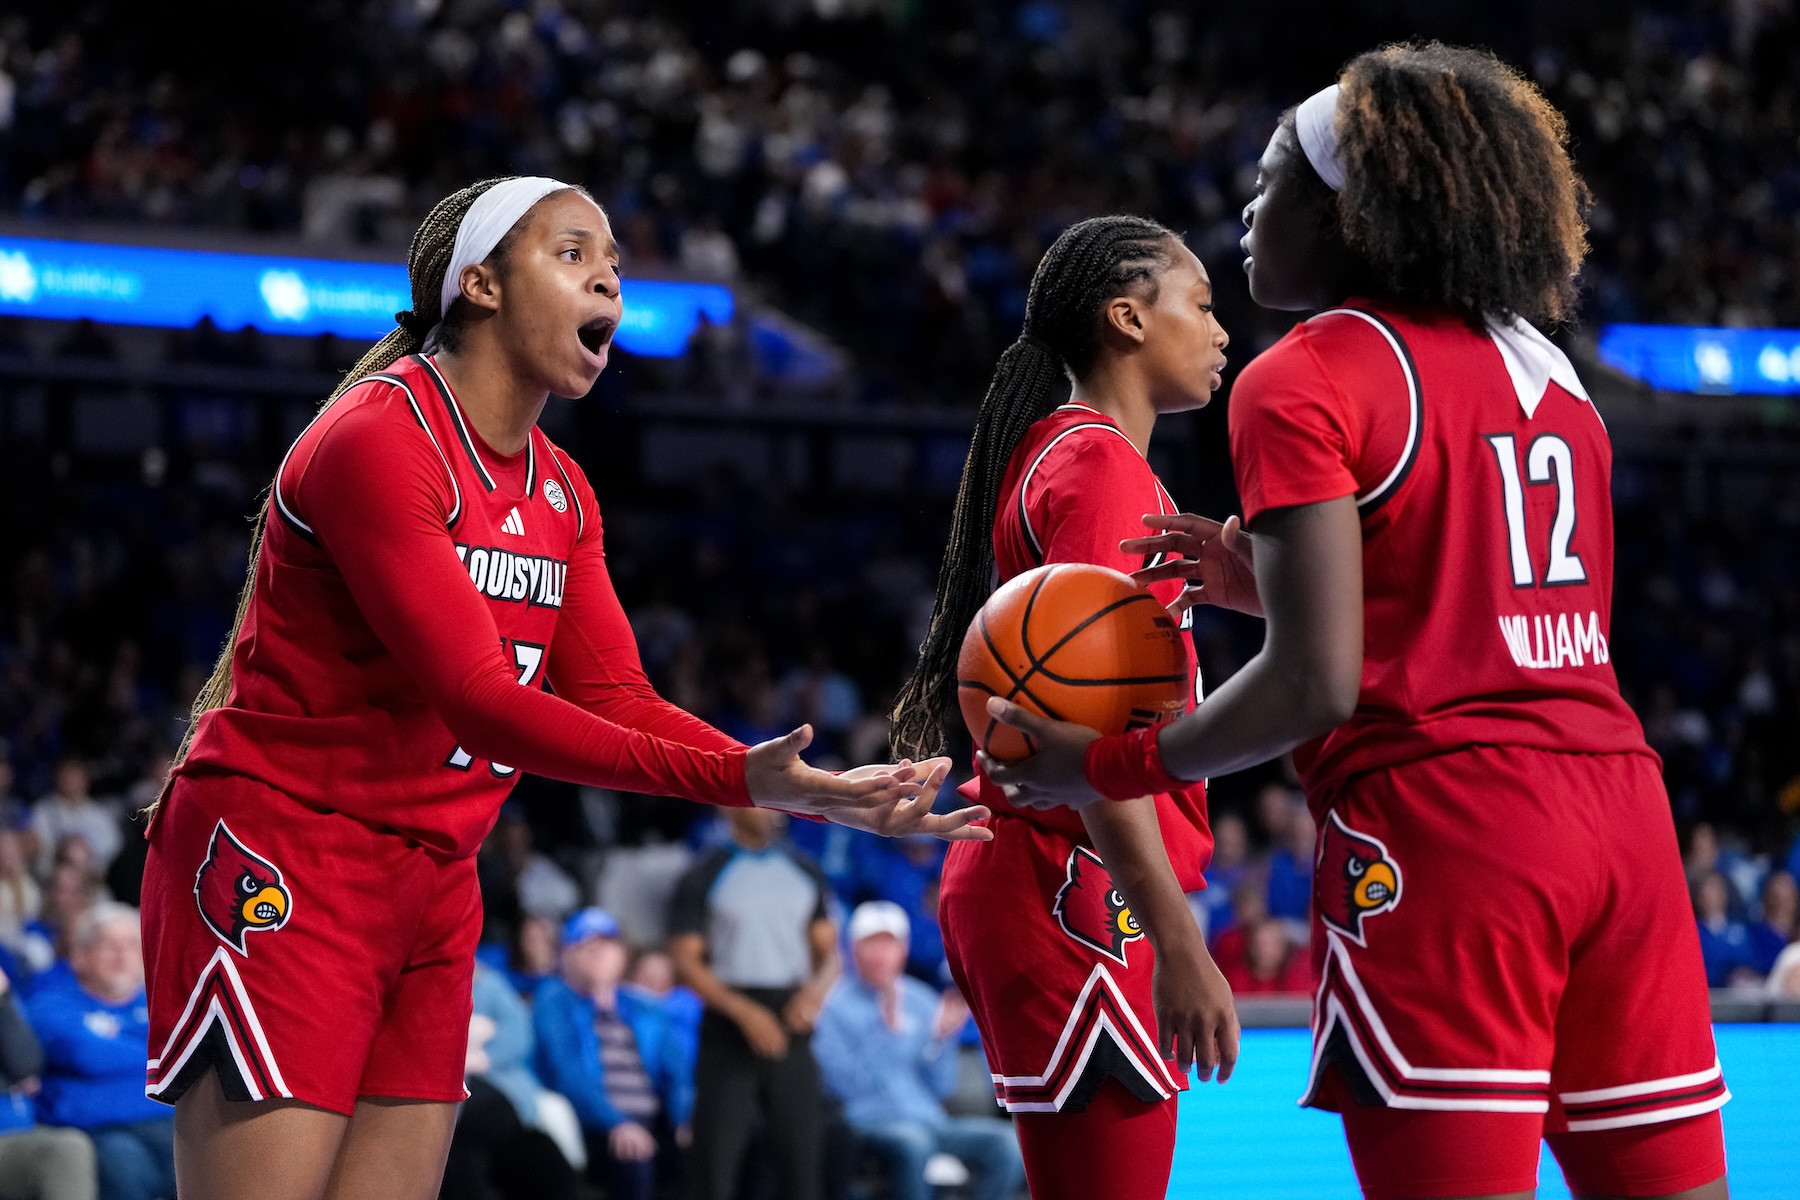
(1636, 1079)
(1658, 1161)
(271, 1149)
(1118, 1147)
(393, 1150)
(1408, 1154)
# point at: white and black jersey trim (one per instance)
(457, 418)
(1378, 495)
(1037, 549)
(306, 531)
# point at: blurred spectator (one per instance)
(20, 897)
(1784, 976)
(753, 936)
(37, 1162)
(652, 977)
(906, 873)
(1291, 870)
(1724, 942)
(500, 1149)
(68, 896)
(545, 889)
(886, 1045)
(1774, 927)
(1249, 908)
(96, 1030)
(1229, 867)
(1267, 961)
(617, 1058)
(535, 954)
(70, 811)
(13, 811)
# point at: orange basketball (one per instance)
(1075, 642)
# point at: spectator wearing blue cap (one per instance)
(886, 1044)
(617, 1059)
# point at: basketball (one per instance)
(1074, 642)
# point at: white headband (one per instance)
(1315, 121)
(494, 212)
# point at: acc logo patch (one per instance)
(1092, 911)
(554, 494)
(1356, 878)
(240, 891)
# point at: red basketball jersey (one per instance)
(1073, 489)
(344, 700)
(1482, 474)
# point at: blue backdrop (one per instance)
(1249, 1138)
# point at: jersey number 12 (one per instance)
(1547, 460)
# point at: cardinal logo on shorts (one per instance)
(1092, 910)
(1355, 878)
(240, 891)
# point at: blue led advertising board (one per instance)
(141, 285)
(1688, 358)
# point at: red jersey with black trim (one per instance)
(411, 580)
(1073, 489)
(1482, 473)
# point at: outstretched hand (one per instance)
(1055, 775)
(894, 801)
(1218, 562)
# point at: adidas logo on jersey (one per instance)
(513, 524)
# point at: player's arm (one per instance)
(1195, 1018)
(373, 495)
(594, 662)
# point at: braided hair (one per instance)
(426, 262)
(1090, 264)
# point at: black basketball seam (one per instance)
(1019, 687)
(1037, 664)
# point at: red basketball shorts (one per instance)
(1055, 971)
(302, 953)
(1503, 930)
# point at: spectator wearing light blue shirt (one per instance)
(886, 1044)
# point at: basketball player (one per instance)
(310, 900)
(1065, 923)
(1499, 917)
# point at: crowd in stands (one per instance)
(889, 171)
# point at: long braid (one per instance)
(426, 263)
(1091, 263)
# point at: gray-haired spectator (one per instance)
(35, 1160)
(95, 1029)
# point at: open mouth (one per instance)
(596, 334)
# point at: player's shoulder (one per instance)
(1079, 439)
(1319, 356)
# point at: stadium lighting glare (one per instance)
(1687, 358)
(170, 288)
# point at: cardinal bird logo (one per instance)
(1092, 910)
(239, 891)
(1356, 878)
